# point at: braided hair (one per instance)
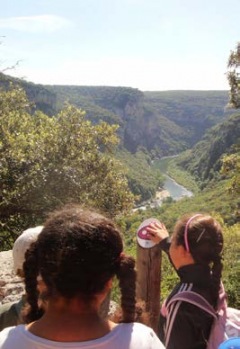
(202, 235)
(77, 252)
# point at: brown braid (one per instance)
(76, 253)
(126, 275)
(32, 311)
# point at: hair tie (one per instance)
(119, 260)
(121, 257)
(186, 231)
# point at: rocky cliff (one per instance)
(165, 122)
(41, 98)
(11, 286)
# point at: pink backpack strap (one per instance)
(222, 300)
(195, 299)
(163, 309)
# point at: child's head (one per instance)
(21, 245)
(201, 236)
(77, 253)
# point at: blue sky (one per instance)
(146, 44)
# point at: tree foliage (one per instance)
(165, 123)
(233, 75)
(231, 163)
(143, 179)
(204, 160)
(231, 168)
(46, 162)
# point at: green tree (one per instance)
(231, 261)
(231, 163)
(231, 168)
(46, 162)
(234, 77)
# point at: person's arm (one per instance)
(165, 245)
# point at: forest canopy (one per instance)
(46, 162)
(233, 75)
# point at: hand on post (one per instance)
(157, 232)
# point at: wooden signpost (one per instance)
(148, 281)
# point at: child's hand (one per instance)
(157, 232)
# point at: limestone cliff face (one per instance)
(134, 123)
(42, 98)
(165, 123)
(143, 126)
(11, 286)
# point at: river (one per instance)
(175, 190)
(170, 186)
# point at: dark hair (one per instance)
(205, 240)
(77, 252)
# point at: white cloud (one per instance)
(34, 24)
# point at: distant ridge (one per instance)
(162, 122)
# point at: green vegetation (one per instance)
(39, 97)
(204, 160)
(169, 166)
(139, 124)
(219, 196)
(46, 162)
(212, 202)
(75, 156)
(231, 271)
(106, 97)
(193, 111)
(233, 77)
(231, 168)
(164, 123)
(143, 179)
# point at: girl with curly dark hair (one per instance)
(195, 250)
(71, 267)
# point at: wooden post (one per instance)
(148, 281)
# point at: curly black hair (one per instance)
(77, 252)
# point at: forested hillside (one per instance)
(48, 161)
(40, 97)
(165, 123)
(194, 111)
(139, 124)
(204, 160)
(69, 155)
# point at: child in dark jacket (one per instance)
(195, 252)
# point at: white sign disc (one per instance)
(142, 235)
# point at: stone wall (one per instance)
(11, 286)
